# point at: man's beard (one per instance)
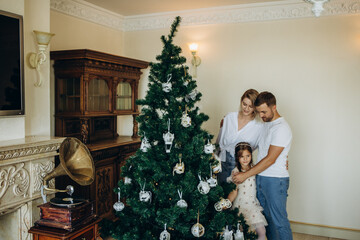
(265, 119)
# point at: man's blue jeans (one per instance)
(272, 195)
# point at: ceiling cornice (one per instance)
(288, 9)
(89, 12)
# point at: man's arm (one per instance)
(270, 159)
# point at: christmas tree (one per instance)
(169, 186)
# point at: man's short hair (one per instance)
(265, 97)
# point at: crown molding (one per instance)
(89, 12)
(280, 10)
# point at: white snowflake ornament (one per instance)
(164, 235)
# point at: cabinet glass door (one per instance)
(98, 95)
(69, 95)
(123, 96)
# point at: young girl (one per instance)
(244, 196)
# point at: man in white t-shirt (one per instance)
(272, 180)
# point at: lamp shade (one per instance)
(43, 38)
(193, 47)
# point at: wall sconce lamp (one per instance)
(196, 60)
(317, 6)
(38, 58)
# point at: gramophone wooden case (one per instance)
(67, 218)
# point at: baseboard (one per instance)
(325, 231)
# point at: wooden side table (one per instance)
(86, 232)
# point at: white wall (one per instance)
(37, 108)
(312, 67)
(37, 99)
(12, 127)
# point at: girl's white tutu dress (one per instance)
(248, 203)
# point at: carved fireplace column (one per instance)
(23, 164)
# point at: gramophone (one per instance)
(68, 212)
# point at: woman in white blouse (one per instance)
(237, 127)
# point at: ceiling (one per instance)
(139, 7)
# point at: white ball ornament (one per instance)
(164, 235)
(212, 181)
(197, 229)
(145, 196)
(181, 203)
(185, 120)
(118, 206)
(203, 187)
(209, 148)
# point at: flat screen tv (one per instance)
(11, 64)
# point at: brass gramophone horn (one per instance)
(76, 162)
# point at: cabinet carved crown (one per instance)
(91, 89)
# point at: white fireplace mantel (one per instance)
(23, 164)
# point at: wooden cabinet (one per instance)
(91, 90)
(86, 232)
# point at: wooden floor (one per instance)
(297, 236)
(300, 236)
